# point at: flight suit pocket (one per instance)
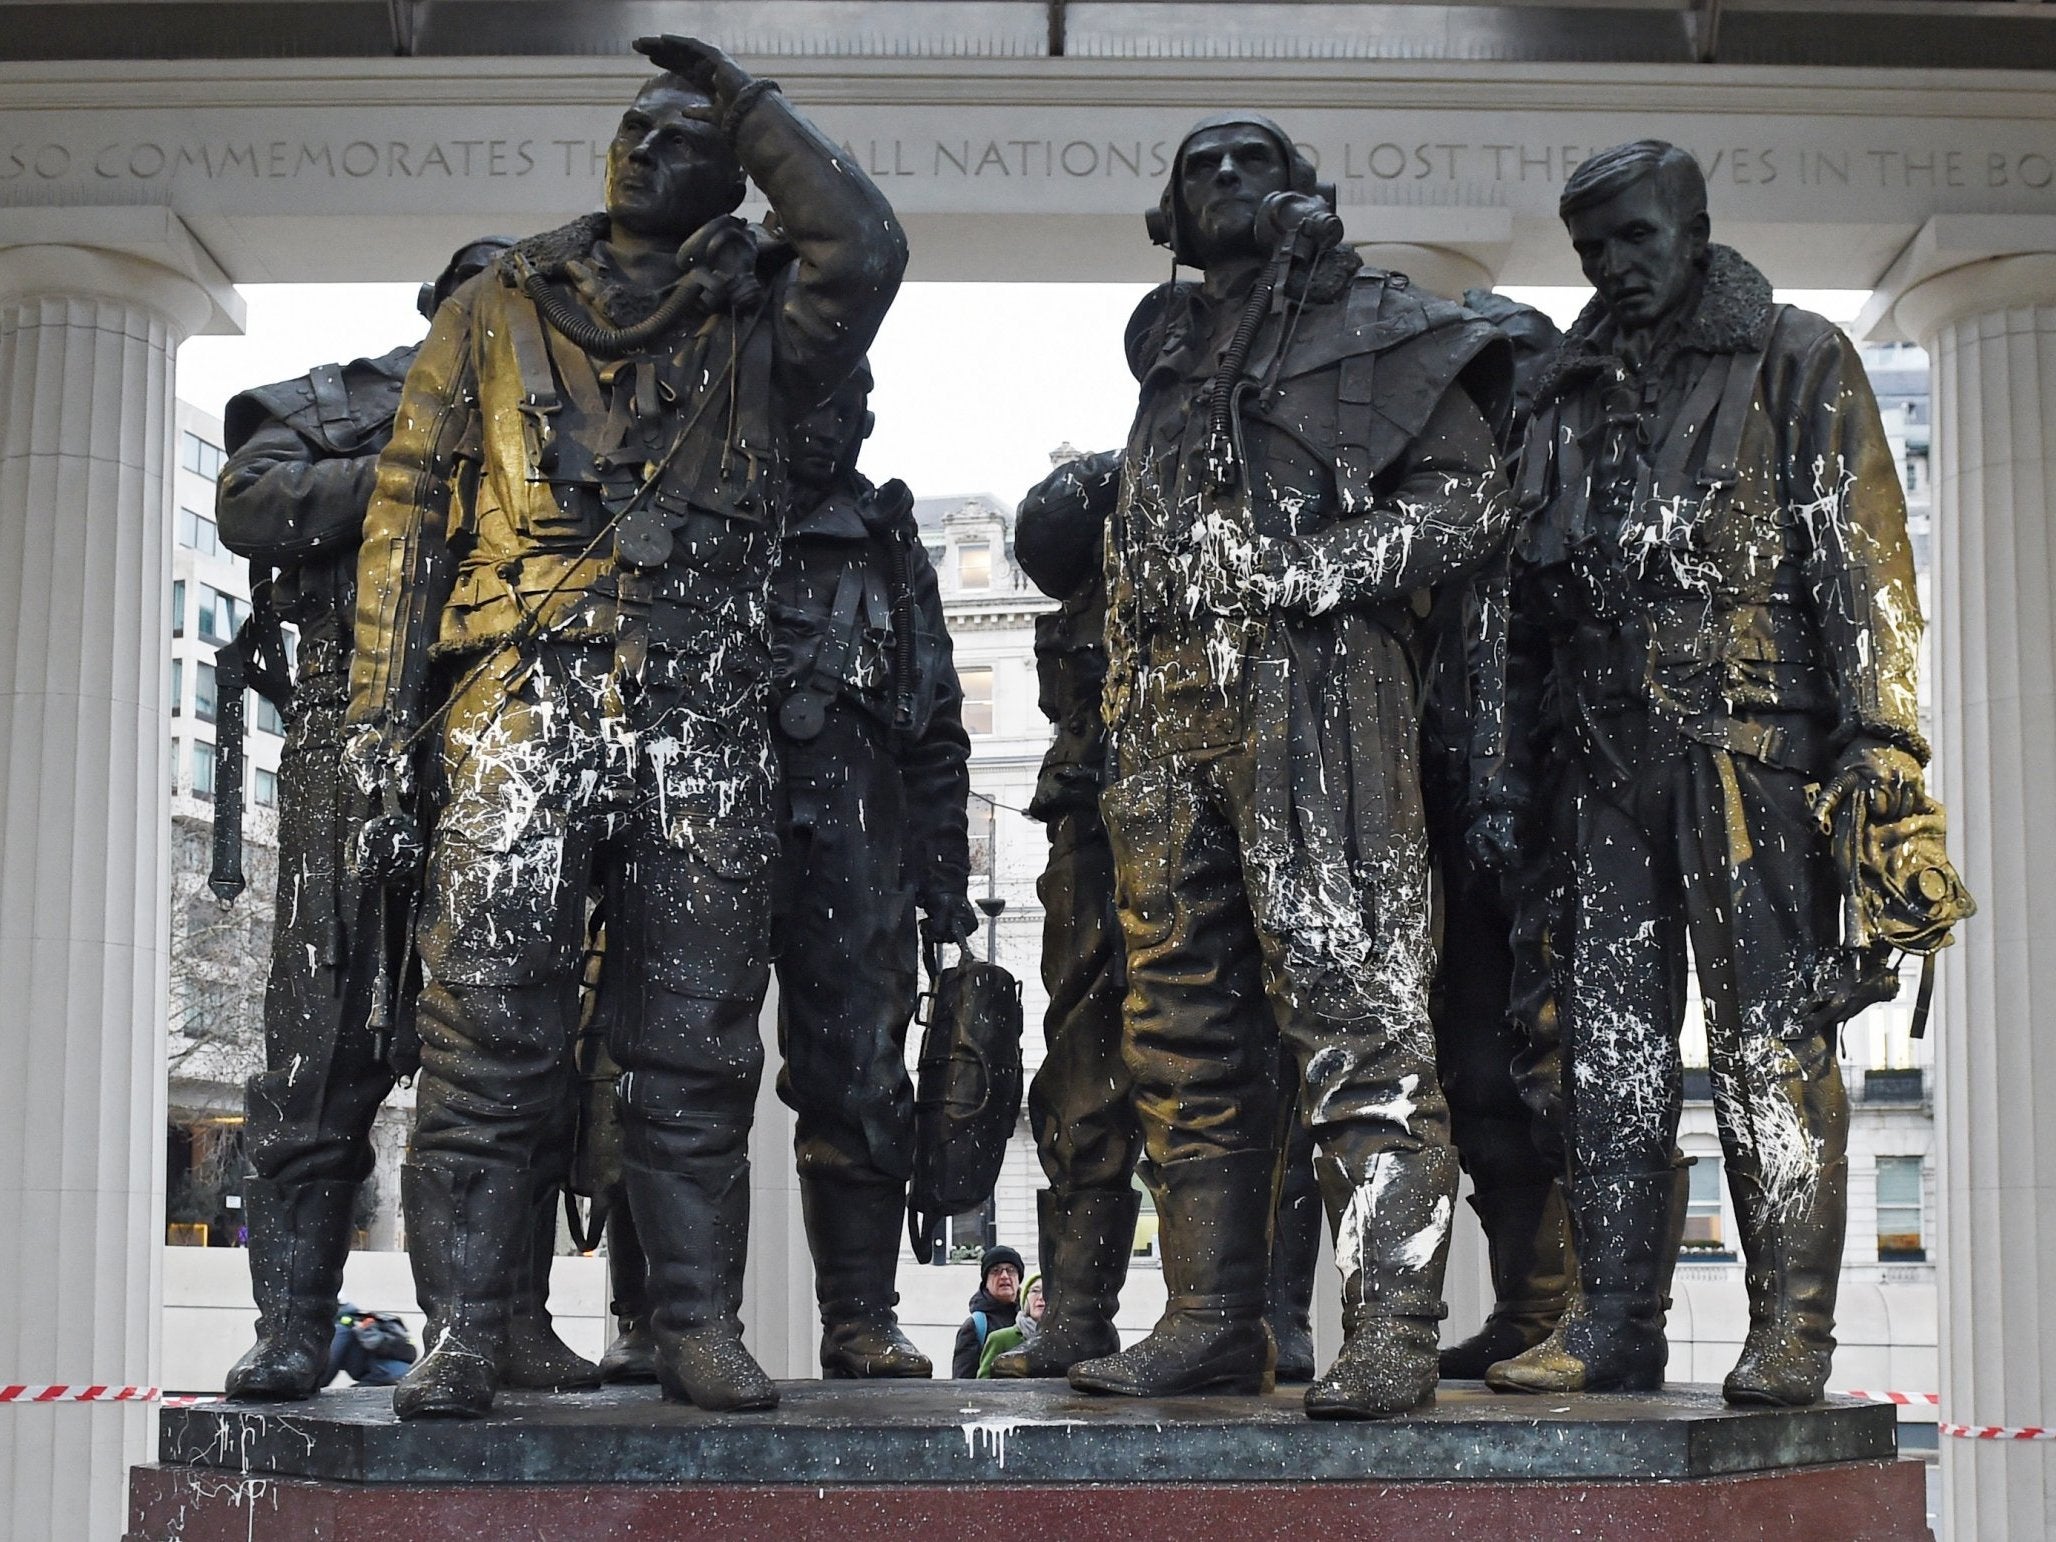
(706, 896)
(1139, 817)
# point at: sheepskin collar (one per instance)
(1734, 315)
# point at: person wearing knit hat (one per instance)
(994, 1305)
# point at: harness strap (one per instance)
(1724, 435)
(331, 403)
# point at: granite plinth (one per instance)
(850, 1461)
(1021, 1432)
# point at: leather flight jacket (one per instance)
(1721, 538)
(545, 485)
(1345, 376)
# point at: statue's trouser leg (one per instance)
(845, 943)
(1623, 986)
(1081, 1109)
(1295, 1244)
(1202, 1052)
(1515, 1183)
(691, 1057)
(630, 1357)
(502, 934)
(1762, 908)
(1339, 899)
(308, 1115)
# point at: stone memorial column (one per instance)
(1991, 330)
(86, 350)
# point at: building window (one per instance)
(220, 615)
(1703, 1233)
(203, 693)
(178, 685)
(980, 838)
(936, 551)
(178, 607)
(197, 454)
(977, 683)
(203, 770)
(267, 717)
(174, 764)
(974, 565)
(1899, 1210)
(199, 533)
(264, 788)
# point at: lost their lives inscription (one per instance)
(1354, 164)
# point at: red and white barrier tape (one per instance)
(1996, 1431)
(1945, 1427)
(23, 1393)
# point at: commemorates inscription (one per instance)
(1144, 161)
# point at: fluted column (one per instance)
(86, 355)
(1990, 328)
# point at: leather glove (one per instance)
(701, 63)
(947, 919)
(1884, 775)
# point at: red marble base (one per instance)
(1878, 1501)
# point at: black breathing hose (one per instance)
(594, 337)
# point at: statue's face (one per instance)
(668, 169)
(1223, 175)
(824, 443)
(1640, 253)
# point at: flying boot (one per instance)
(853, 1224)
(299, 1239)
(693, 1216)
(1087, 1238)
(1215, 1216)
(1295, 1254)
(470, 1227)
(1794, 1247)
(537, 1359)
(1528, 1240)
(632, 1357)
(1611, 1338)
(1391, 1217)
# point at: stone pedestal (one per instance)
(86, 343)
(1990, 327)
(1011, 1460)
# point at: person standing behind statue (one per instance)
(1714, 599)
(1080, 1105)
(292, 496)
(871, 744)
(1312, 451)
(579, 516)
(994, 1305)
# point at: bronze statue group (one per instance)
(1423, 685)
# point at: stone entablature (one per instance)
(1029, 168)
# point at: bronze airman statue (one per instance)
(870, 738)
(292, 496)
(576, 524)
(1714, 620)
(1313, 452)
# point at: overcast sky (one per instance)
(977, 383)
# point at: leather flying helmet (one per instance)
(1166, 221)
